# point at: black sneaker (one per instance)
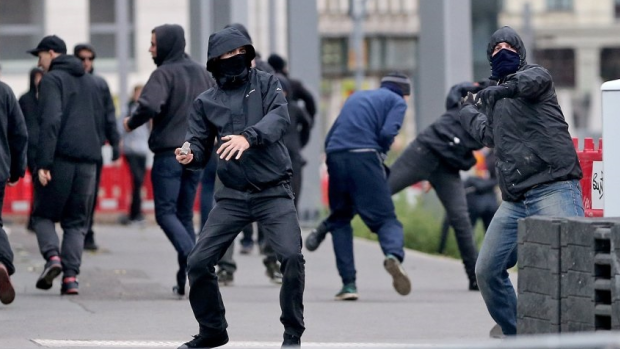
(7, 292)
(201, 341)
(313, 241)
(273, 270)
(178, 291)
(473, 285)
(401, 281)
(90, 244)
(70, 286)
(225, 277)
(52, 269)
(291, 341)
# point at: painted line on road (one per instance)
(55, 343)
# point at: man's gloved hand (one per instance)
(469, 99)
(116, 153)
(492, 94)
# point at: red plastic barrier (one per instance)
(591, 161)
(114, 192)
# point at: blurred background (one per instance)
(337, 46)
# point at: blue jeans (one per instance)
(174, 191)
(358, 185)
(499, 249)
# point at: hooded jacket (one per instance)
(170, 90)
(68, 100)
(30, 109)
(256, 109)
(528, 131)
(447, 138)
(13, 137)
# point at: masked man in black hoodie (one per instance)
(537, 166)
(13, 142)
(106, 118)
(166, 99)
(29, 105)
(246, 112)
(67, 154)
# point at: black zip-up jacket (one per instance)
(30, 109)
(13, 137)
(169, 92)
(106, 115)
(262, 118)
(528, 131)
(68, 100)
(447, 138)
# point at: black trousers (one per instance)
(274, 209)
(418, 163)
(90, 234)
(68, 199)
(137, 168)
(6, 254)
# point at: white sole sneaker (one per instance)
(401, 282)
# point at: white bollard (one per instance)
(611, 143)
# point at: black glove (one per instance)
(116, 153)
(492, 94)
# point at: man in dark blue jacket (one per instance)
(356, 146)
(247, 114)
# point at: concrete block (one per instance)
(580, 231)
(578, 284)
(577, 258)
(615, 316)
(538, 306)
(615, 289)
(577, 310)
(539, 229)
(541, 281)
(529, 325)
(576, 327)
(539, 256)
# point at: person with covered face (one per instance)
(537, 166)
(166, 99)
(247, 114)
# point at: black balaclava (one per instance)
(504, 64)
(234, 71)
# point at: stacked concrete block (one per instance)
(615, 282)
(539, 286)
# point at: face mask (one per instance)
(232, 71)
(505, 62)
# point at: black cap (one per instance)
(50, 42)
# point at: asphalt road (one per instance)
(126, 300)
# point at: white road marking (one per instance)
(55, 343)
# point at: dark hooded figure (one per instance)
(106, 120)
(537, 166)
(166, 99)
(437, 155)
(298, 90)
(246, 113)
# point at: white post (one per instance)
(611, 142)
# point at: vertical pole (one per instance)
(273, 29)
(304, 64)
(358, 11)
(528, 32)
(122, 49)
(445, 55)
(205, 28)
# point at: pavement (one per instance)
(126, 300)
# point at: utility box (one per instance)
(611, 165)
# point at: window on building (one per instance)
(610, 63)
(386, 54)
(617, 9)
(103, 28)
(559, 5)
(21, 29)
(560, 63)
(334, 56)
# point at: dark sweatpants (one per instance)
(418, 163)
(137, 168)
(274, 209)
(6, 254)
(67, 199)
(357, 184)
(90, 234)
